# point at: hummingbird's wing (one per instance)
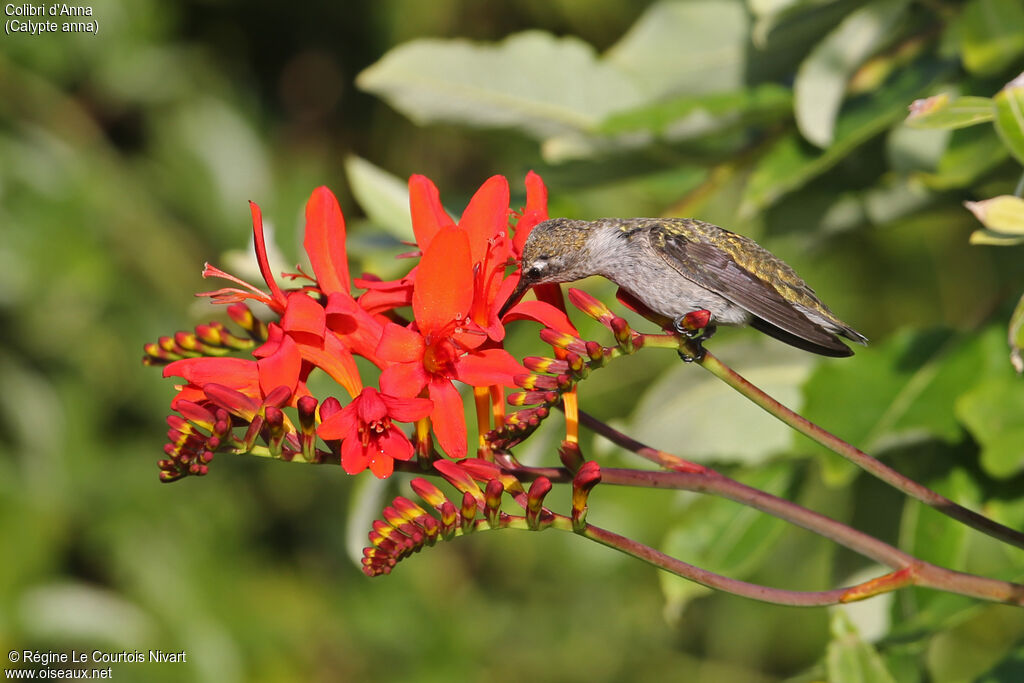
(719, 270)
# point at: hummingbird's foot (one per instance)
(697, 342)
(694, 327)
(687, 358)
(694, 324)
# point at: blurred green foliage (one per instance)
(126, 159)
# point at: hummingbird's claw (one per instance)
(687, 358)
(697, 337)
(685, 325)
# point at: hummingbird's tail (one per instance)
(824, 343)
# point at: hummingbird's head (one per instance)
(555, 251)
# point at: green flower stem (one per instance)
(859, 457)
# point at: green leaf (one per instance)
(939, 111)
(822, 78)
(991, 35)
(993, 411)
(849, 659)
(770, 14)
(696, 416)
(723, 536)
(692, 116)
(685, 47)
(534, 81)
(790, 163)
(763, 8)
(1010, 116)
(784, 38)
(1002, 214)
(384, 197)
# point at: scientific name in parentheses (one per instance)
(36, 27)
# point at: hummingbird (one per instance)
(675, 266)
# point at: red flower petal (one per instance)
(486, 216)
(536, 210)
(232, 372)
(336, 360)
(358, 329)
(381, 300)
(261, 256)
(188, 393)
(536, 193)
(404, 379)
(428, 216)
(268, 348)
(325, 241)
(369, 406)
(304, 316)
(543, 313)
(407, 409)
(448, 418)
(340, 425)
(381, 465)
(340, 313)
(492, 289)
(400, 344)
(489, 367)
(396, 444)
(353, 456)
(280, 368)
(371, 281)
(444, 283)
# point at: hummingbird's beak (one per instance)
(515, 296)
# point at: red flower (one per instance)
(455, 293)
(369, 438)
(279, 365)
(442, 346)
(326, 329)
(485, 224)
(353, 326)
(275, 300)
(535, 211)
